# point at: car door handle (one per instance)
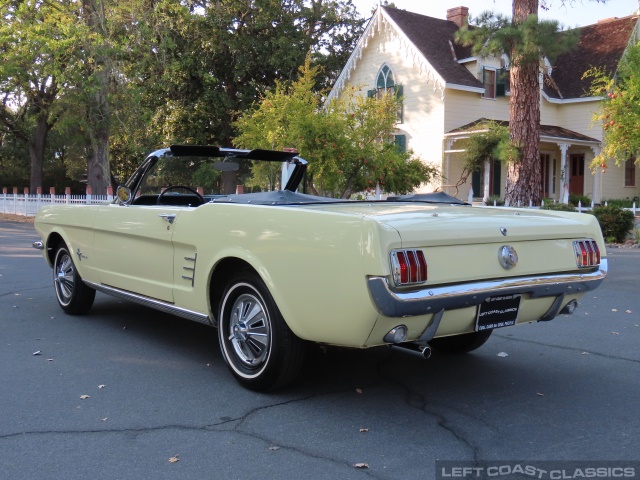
(169, 217)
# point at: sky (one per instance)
(574, 13)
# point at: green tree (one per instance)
(237, 50)
(40, 54)
(492, 143)
(349, 142)
(96, 92)
(619, 111)
(525, 40)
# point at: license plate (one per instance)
(497, 312)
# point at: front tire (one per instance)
(256, 343)
(456, 344)
(74, 297)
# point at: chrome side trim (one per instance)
(393, 303)
(152, 303)
(38, 245)
(192, 270)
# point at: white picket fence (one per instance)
(28, 205)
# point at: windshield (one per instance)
(213, 176)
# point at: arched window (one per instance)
(385, 83)
(385, 79)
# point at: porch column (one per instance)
(564, 173)
(597, 178)
(447, 162)
(487, 180)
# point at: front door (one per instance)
(134, 248)
(576, 174)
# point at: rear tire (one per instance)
(258, 346)
(456, 344)
(74, 297)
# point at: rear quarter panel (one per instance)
(314, 263)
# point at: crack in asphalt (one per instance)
(417, 400)
(25, 290)
(213, 427)
(573, 349)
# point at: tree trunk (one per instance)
(98, 169)
(37, 144)
(523, 175)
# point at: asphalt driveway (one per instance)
(129, 393)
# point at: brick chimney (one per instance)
(458, 15)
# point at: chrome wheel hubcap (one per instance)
(64, 278)
(249, 330)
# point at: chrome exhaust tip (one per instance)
(569, 308)
(423, 350)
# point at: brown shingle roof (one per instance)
(552, 131)
(435, 40)
(600, 45)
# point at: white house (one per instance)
(448, 93)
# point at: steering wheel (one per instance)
(184, 187)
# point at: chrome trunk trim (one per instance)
(394, 303)
(151, 303)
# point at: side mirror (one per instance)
(123, 195)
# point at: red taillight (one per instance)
(587, 253)
(409, 267)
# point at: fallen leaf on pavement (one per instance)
(615, 333)
(84, 397)
(104, 419)
(584, 353)
(37, 353)
(628, 311)
(361, 465)
(503, 354)
(101, 386)
(174, 459)
(614, 309)
(540, 394)
(273, 448)
(363, 430)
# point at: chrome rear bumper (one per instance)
(393, 303)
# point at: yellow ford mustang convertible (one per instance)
(274, 270)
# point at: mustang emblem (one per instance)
(507, 257)
(503, 231)
(80, 255)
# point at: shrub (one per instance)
(494, 198)
(563, 207)
(574, 199)
(615, 222)
(619, 202)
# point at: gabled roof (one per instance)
(600, 45)
(430, 42)
(434, 38)
(546, 131)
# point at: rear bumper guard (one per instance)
(393, 303)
